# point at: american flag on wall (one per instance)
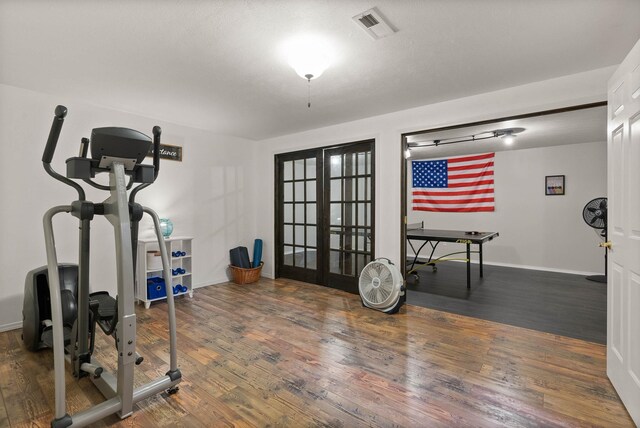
(455, 184)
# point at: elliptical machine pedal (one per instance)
(105, 311)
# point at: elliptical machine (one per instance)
(58, 310)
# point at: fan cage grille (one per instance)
(595, 213)
(380, 284)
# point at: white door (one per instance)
(623, 283)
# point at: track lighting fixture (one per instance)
(508, 136)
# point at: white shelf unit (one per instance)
(179, 243)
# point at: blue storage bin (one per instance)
(156, 288)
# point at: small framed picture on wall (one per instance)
(554, 185)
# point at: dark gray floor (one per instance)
(558, 303)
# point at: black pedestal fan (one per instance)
(595, 215)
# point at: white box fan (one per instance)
(381, 286)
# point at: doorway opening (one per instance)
(539, 249)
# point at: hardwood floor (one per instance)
(557, 303)
(285, 353)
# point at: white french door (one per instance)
(623, 282)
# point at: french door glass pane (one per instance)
(299, 217)
(299, 236)
(349, 189)
(288, 192)
(361, 164)
(311, 213)
(288, 234)
(349, 164)
(335, 238)
(336, 189)
(354, 240)
(312, 258)
(311, 236)
(361, 239)
(349, 238)
(350, 213)
(363, 214)
(335, 262)
(288, 255)
(362, 188)
(298, 256)
(311, 168)
(299, 169)
(299, 191)
(288, 171)
(362, 260)
(336, 165)
(288, 213)
(336, 214)
(348, 264)
(311, 190)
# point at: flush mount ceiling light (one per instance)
(309, 56)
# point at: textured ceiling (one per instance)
(216, 65)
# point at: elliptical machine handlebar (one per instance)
(157, 131)
(54, 134)
(84, 147)
(50, 149)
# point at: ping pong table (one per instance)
(433, 237)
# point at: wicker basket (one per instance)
(245, 276)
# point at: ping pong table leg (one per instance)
(480, 245)
(468, 265)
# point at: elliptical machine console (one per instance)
(59, 312)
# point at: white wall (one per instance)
(206, 195)
(536, 231)
(387, 130)
(223, 192)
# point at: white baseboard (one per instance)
(215, 281)
(517, 266)
(11, 326)
(224, 279)
(547, 269)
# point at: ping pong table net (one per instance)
(415, 226)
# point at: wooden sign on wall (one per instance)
(168, 152)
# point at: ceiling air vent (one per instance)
(373, 24)
(368, 20)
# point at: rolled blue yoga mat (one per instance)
(257, 253)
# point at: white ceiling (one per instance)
(571, 127)
(216, 65)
